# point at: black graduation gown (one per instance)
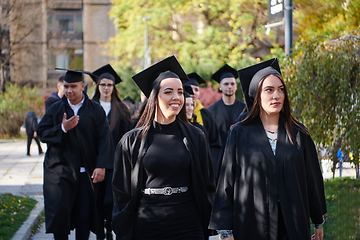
(214, 138)
(253, 182)
(129, 181)
(88, 144)
(104, 189)
(222, 119)
(50, 101)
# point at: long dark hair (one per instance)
(118, 108)
(285, 112)
(148, 115)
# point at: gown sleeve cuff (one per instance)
(63, 128)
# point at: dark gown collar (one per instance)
(158, 127)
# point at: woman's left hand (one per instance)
(319, 234)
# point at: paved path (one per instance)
(23, 175)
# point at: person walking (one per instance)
(163, 178)
(228, 108)
(270, 182)
(79, 151)
(30, 127)
(55, 96)
(107, 94)
(205, 118)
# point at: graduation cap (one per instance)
(195, 79)
(224, 72)
(129, 99)
(166, 68)
(250, 78)
(72, 76)
(107, 72)
(188, 89)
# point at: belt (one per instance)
(165, 191)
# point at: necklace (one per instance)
(270, 131)
(272, 137)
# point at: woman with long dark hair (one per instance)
(163, 177)
(107, 94)
(270, 182)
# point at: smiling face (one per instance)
(74, 91)
(272, 96)
(106, 87)
(189, 104)
(169, 101)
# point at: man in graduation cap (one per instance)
(56, 96)
(79, 150)
(205, 118)
(228, 108)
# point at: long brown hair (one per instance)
(148, 115)
(118, 108)
(285, 112)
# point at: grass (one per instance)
(14, 210)
(39, 221)
(343, 205)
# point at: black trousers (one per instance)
(282, 232)
(82, 212)
(29, 140)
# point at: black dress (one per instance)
(130, 178)
(174, 216)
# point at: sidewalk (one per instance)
(23, 175)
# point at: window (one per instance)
(69, 59)
(65, 21)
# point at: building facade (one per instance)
(69, 34)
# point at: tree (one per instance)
(326, 18)
(324, 83)
(19, 30)
(202, 34)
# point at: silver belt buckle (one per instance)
(168, 191)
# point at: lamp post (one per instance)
(288, 27)
(146, 53)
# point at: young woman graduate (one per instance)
(189, 107)
(119, 123)
(205, 118)
(163, 176)
(270, 183)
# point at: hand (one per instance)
(319, 234)
(71, 122)
(98, 175)
(35, 134)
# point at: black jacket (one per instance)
(253, 182)
(30, 123)
(88, 144)
(213, 135)
(222, 120)
(128, 180)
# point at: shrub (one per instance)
(15, 103)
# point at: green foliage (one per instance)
(15, 103)
(127, 88)
(202, 34)
(324, 83)
(14, 210)
(342, 201)
(326, 18)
